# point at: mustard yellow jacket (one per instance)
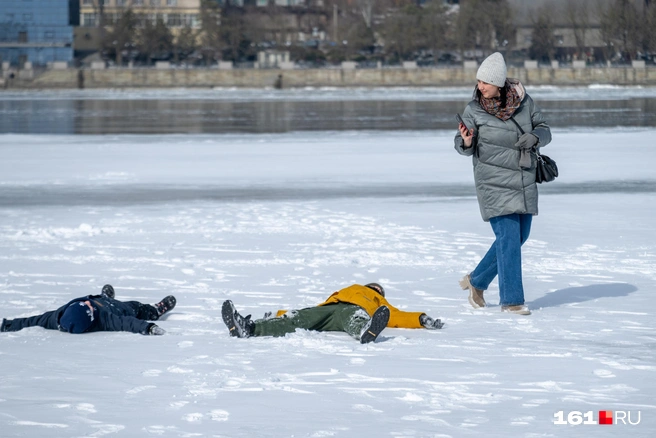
(371, 300)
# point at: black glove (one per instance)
(6, 324)
(155, 330)
(267, 315)
(430, 323)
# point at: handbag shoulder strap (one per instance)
(517, 124)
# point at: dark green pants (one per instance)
(338, 317)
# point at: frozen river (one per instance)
(266, 111)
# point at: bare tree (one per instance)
(351, 27)
(403, 32)
(436, 28)
(366, 9)
(648, 28)
(620, 29)
(607, 31)
(578, 17)
(121, 39)
(210, 32)
(363, 9)
(239, 32)
(542, 40)
(503, 24)
(275, 24)
(185, 43)
(492, 29)
(155, 41)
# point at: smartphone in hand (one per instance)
(459, 119)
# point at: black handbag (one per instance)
(546, 169)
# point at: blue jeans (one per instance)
(505, 258)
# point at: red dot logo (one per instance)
(606, 417)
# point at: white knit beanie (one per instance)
(493, 70)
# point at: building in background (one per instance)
(37, 31)
(176, 14)
(576, 26)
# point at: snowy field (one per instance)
(281, 221)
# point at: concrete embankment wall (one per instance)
(381, 77)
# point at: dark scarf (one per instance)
(514, 96)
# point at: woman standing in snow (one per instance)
(504, 174)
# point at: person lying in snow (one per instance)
(96, 313)
(361, 311)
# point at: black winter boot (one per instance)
(166, 305)
(375, 325)
(108, 291)
(239, 326)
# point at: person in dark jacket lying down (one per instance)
(96, 313)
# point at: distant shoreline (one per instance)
(87, 78)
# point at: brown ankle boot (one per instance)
(475, 295)
(520, 309)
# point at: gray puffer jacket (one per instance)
(502, 186)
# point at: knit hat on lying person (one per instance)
(77, 318)
(493, 70)
(376, 287)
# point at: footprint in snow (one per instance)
(366, 408)
(603, 373)
(193, 418)
(138, 389)
(219, 415)
(88, 407)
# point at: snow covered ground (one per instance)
(281, 221)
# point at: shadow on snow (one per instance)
(572, 295)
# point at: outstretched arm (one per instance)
(401, 319)
(430, 323)
(114, 323)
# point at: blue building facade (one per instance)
(38, 31)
